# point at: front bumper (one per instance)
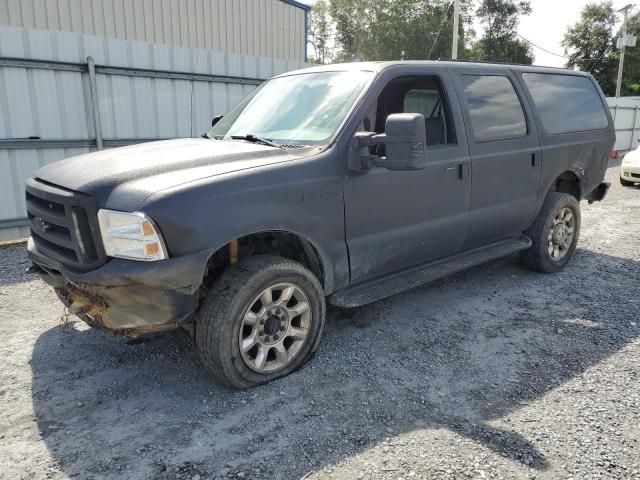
(129, 297)
(630, 172)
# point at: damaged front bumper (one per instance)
(128, 297)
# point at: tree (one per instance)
(499, 42)
(394, 29)
(590, 44)
(319, 32)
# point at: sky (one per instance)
(547, 24)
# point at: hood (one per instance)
(143, 169)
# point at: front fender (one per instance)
(303, 197)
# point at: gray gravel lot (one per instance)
(497, 372)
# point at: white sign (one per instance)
(629, 41)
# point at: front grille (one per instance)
(635, 175)
(64, 225)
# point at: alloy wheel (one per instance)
(561, 234)
(275, 327)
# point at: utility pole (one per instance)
(622, 45)
(456, 16)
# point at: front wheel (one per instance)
(554, 234)
(261, 320)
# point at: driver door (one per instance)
(398, 219)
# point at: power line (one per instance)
(444, 17)
(593, 61)
(606, 52)
(539, 47)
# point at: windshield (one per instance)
(304, 109)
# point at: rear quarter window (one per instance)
(566, 103)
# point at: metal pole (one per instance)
(93, 86)
(624, 40)
(456, 16)
(633, 127)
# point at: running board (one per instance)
(382, 287)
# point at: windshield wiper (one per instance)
(253, 139)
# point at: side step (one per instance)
(382, 287)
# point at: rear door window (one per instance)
(566, 103)
(495, 109)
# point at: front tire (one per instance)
(554, 234)
(625, 183)
(261, 320)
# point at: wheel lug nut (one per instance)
(261, 332)
(275, 337)
(282, 328)
(262, 321)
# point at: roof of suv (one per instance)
(379, 66)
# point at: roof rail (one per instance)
(487, 62)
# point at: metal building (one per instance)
(77, 75)
(265, 28)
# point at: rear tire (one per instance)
(261, 320)
(625, 183)
(554, 234)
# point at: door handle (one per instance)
(534, 159)
(463, 172)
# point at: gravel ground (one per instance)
(497, 372)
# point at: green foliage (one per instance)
(590, 44)
(499, 42)
(320, 32)
(351, 30)
(384, 29)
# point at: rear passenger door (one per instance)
(505, 153)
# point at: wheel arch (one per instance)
(284, 243)
(569, 182)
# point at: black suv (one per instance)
(347, 182)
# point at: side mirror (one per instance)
(215, 120)
(405, 139)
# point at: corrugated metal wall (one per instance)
(626, 117)
(267, 28)
(55, 104)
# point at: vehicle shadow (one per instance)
(457, 355)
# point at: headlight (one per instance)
(131, 235)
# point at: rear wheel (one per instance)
(625, 183)
(554, 234)
(262, 319)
